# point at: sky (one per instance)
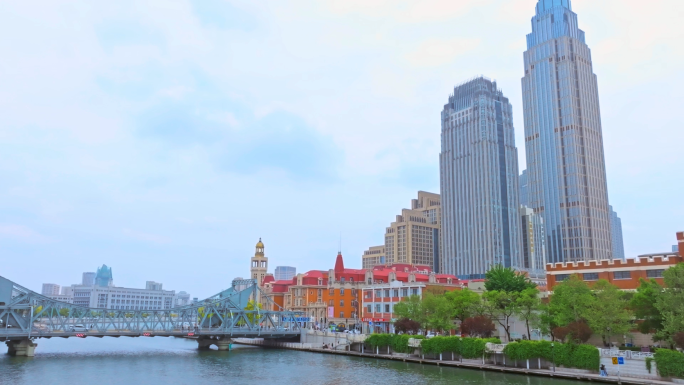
(164, 138)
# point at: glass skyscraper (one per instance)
(479, 182)
(563, 137)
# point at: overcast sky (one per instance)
(163, 138)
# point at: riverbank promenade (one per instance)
(475, 364)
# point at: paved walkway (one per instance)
(495, 368)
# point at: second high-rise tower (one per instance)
(563, 137)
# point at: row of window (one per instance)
(656, 273)
(379, 308)
(391, 293)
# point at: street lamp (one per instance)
(553, 358)
(609, 346)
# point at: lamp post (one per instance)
(553, 358)
(608, 329)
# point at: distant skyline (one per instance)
(163, 139)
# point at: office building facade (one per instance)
(88, 279)
(522, 182)
(374, 256)
(282, 273)
(414, 237)
(533, 249)
(50, 289)
(616, 235)
(479, 181)
(563, 137)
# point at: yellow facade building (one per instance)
(413, 238)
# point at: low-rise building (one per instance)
(102, 293)
(333, 297)
(389, 286)
(624, 274)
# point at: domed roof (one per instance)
(260, 244)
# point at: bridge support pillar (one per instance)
(204, 344)
(21, 348)
(223, 344)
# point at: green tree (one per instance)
(608, 315)
(643, 303)
(412, 308)
(437, 311)
(499, 278)
(527, 307)
(545, 321)
(64, 312)
(570, 300)
(464, 303)
(671, 304)
(251, 306)
(501, 306)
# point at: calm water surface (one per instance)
(172, 361)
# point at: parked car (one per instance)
(78, 328)
(430, 335)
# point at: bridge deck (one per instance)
(267, 334)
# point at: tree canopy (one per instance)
(500, 278)
(670, 303)
(643, 303)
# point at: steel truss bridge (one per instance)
(26, 316)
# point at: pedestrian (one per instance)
(603, 371)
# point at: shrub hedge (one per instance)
(398, 342)
(568, 355)
(670, 363)
(465, 347)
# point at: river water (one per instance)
(171, 361)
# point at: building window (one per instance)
(341, 279)
(369, 308)
(404, 292)
(590, 276)
(342, 291)
(414, 291)
(331, 303)
(655, 273)
(622, 275)
(341, 314)
(387, 308)
(562, 277)
(351, 279)
(377, 308)
(378, 294)
(387, 293)
(341, 303)
(354, 293)
(332, 291)
(320, 293)
(395, 293)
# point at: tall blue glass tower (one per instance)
(479, 182)
(563, 137)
